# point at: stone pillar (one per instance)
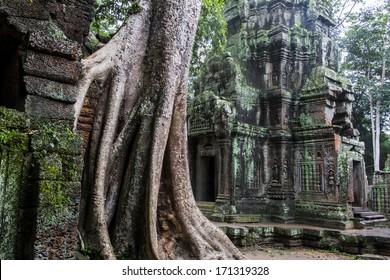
(224, 203)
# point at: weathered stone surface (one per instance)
(23, 8)
(374, 241)
(12, 119)
(271, 118)
(64, 142)
(45, 194)
(73, 17)
(58, 194)
(11, 175)
(52, 67)
(56, 233)
(13, 146)
(50, 89)
(42, 107)
(55, 45)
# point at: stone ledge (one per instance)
(51, 67)
(48, 43)
(50, 89)
(22, 8)
(50, 109)
(374, 241)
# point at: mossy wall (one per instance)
(379, 199)
(40, 175)
(40, 157)
(13, 148)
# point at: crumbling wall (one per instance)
(47, 37)
(13, 156)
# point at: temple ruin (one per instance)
(270, 134)
(270, 126)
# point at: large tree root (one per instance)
(137, 196)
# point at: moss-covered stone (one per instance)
(12, 119)
(13, 145)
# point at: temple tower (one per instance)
(275, 115)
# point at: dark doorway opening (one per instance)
(207, 180)
(357, 185)
(12, 92)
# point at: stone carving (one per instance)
(275, 171)
(287, 103)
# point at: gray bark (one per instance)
(137, 200)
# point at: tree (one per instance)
(210, 38)
(367, 46)
(341, 11)
(137, 200)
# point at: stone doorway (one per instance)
(207, 179)
(12, 92)
(358, 185)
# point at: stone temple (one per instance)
(269, 129)
(270, 125)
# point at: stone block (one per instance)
(72, 166)
(25, 9)
(50, 89)
(50, 167)
(51, 67)
(45, 108)
(73, 17)
(56, 233)
(12, 119)
(60, 167)
(53, 141)
(58, 194)
(288, 232)
(11, 164)
(313, 232)
(242, 218)
(55, 45)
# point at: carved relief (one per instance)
(275, 171)
(285, 170)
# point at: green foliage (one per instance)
(305, 120)
(53, 194)
(110, 15)
(366, 44)
(210, 36)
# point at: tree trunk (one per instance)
(377, 146)
(137, 200)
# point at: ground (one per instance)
(269, 252)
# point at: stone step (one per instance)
(373, 217)
(367, 214)
(370, 222)
(370, 257)
(366, 217)
(206, 207)
(360, 210)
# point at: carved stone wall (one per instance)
(379, 199)
(275, 94)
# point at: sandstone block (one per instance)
(51, 67)
(51, 89)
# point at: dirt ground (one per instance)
(297, 253)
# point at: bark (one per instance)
(377, 151)
(137, 198)
(373, 131)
